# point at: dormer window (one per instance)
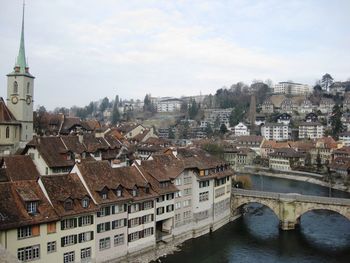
(104, 196)
(85, 202)
(134, 191)
(68, 204)
(32, 207)
(119, 192)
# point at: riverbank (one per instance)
(281, 174)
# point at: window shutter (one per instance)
(143, 219)
(129, 238)
(140, 220)
(75, 222)
(108, 226)
(152, 204)
(98, 228)
(129, 209)
(129, 223)
(113, 209)
(152, 231)
(108, 211)
(141, 206)
(62, 241)
(80, 221)
(141, 234)
(36, 230)
(125, 221)
(92, 235)
(152, 217)
(80, 237)
(75, 239)
(125, 207)
(98, 213)
(113, 224)
(92, 219)
(62, 225)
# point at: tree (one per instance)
(217, 123)
(171, 134)
(115, 113)
(326, 81)
(148, 105)
(184, 107)
(183, 131)
(104, 104)
(223, 129)
(236, 116)
(193, 110)
(209, 130)
(336, 123)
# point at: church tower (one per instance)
(20, 91)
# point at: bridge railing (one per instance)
(292, 196)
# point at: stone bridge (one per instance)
(288, 207)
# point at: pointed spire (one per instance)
(21, 62)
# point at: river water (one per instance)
(323, 236)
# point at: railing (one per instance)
(292, 196)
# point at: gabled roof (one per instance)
(14, 195)
(19, 168)
(6, 115)
(67, 186)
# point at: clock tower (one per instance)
(20, 91)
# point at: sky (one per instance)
(84, 50)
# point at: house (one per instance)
(322, 152)
(241, 129)
(267, 107)
(306, 107)
(311, 117)
(288, 106)
(169, 105)
(326, 105)
(291, 88)
(341, 166)
(250, 141)
(260, 119)
(344, 137)
(222, 115)
(284, 118)
(269, 146)
(285, 159)
(311, 130)
(275, 131)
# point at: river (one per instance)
(323, 236)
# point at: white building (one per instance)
(275, 131)
(291, 88)
(168, 105)
(311, 130)
(241, 129)
(345, 138)
(210, 116)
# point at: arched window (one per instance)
(15, 87)
(7, 132)
(28, 86)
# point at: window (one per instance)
(105, 243)
(86, 220)
(69, 257)
(28, 253)
(28, 86)
(85, 202)
(147, 218)
(103, 227)
(203, 184)
(160, 210)
(118, 223)
(85, 253)
(178, 205)
(104, 196)
(68, 240)
(134, 236)
(24, 232)
(134, 208)
(68, 204)
(32, 207)
(118, 209)
(178, 181)
(160, 199)
(178, 194)
(68, 223)
(51, 247)
(170, 208)
(203, 196)
(15, 87)
(187, 180)
(119, 240)
(170, 196)
(86, 236)
(51, 227)
(134, 222)
(186, 203)
(104, 211)
(7, 132)
(148, 205)
(187, 214)
(134, 192)
(148, 232)
(187, 191)
(177, 217)
(119, 192)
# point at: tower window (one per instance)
(15, 87)
(7, 132)
(28, 85)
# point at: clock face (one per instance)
(28, 100)
(14, 99)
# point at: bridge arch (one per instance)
(240, 201)
(336, 209)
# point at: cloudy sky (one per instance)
(84, 50)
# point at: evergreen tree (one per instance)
(223, 129)
(209, 130)
(171, 134)
(336, 123)
(115, 113)
(217, 123)
(104, 104)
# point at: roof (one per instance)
(19, 168)
(272, 144)
(67, 186)
(286, 152)
(250, 138)
(13, 212)
(6, 115)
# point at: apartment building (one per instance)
(291, 88)
(311, 130)
(275, 131)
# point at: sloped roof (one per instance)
(6, 115)
(19, 168)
